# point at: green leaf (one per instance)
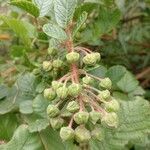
(54, 31)
(3, 91)
(24, 89)
(81, 20)
(7, 126)
(64, 10)
(39, 106)
(108, 19)
(98, 71)
(134, 125)
(52, 139)
(115, 73)
(38, 125)
(18, 27)
(44, 6)
(25, 107)
(27, 84)
(9, 103)
(127, 83)
(23, 140)
(27, 6)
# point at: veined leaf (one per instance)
(107, 21)
(7, 126)
(22, 139)
(127, 83)
(27, 6)
(3, 91)
(54, 31)
(80, 22)
(23, 90)
(64, 10)
(134, 118)
(44, 6)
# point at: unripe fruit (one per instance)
(81, 117)
(89, 59)
(51, 51)
(66, 133)
(56, 123)
(97, 56)
(73, 106)
(72, 57)
(94, 116)
(106, 83)
(56, 85)
(82, 135)
(49, 94)
(52, 111)
(110, 120)
(112, 106)
(104, 95)
(62, 92)
(74, 89)
(57, 63)
(87, 80)
(97, 134)
(36, 71)
(47, 65)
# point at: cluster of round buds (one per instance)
(91, 59)
(78, 107)
(49, 65)
(66, 108)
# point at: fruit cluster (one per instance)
(79, 100)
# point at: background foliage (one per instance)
(119, 30)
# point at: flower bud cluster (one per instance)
(76, 105)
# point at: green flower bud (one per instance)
(62, 92)
(36, 71)
(51, 51)
(47, 65)
(57, 63)
(56, 123)
(97, 134)
(94, 116)
(112, 106)
(110, 120)
(49, 94)
(52, 111)
(72, 57)
(82, 135)
(89, 59)
(97, 56)
(87, 80)
(73, 106)
(56, 85)
(104, 95)
(66, 133)
(74, 89)
(106, 83)
(81, 117)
